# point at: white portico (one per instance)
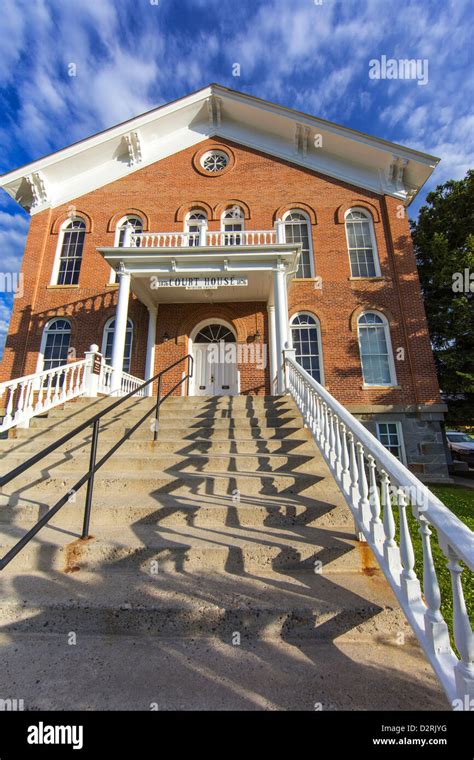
(259, 268)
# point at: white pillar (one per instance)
(121, 316)
(150, 347)
(272, 348)
(281, 313)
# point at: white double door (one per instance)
(215, 371)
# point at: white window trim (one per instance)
(118, 229)
(398, 424)
(375, 252)
(233, 220)
(388, 340)
(57, 256)
(105, 331)
(310, 240)
(40, 360)
(320, 342)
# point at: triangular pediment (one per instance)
(217, 112)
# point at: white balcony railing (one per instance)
(380, 492)
(205, 238)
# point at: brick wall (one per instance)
(268, 186)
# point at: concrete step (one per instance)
(170, 422)
(259, 612)
(215, 673)
(178, 511)
(27, 448)
(58, 462)
(175, 481)
(233, 549)
(112, 431)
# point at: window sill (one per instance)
(62, 287)
(376, 278)
(305, 279)
(111, 284)
(381, 387)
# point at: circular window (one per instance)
(214, 161)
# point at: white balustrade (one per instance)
(381, 493)
(35, 394)
(212, 239)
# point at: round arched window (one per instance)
(215, 334)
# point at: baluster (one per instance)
(345, 474)
(8, 411)
(364, 505)
(464, 671)
(354, 474)
(319, 419)
(391, 551)
(408, 580)
(435, 626)
(325, 440)
(63, 386)
(49, 389)
(332, 449)
(337, 448)
(376, 526)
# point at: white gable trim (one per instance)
(366, 162)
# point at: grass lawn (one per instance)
(460, 501)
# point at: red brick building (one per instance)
(221, 219)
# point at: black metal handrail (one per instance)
(93, 464)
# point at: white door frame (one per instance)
(197, 328)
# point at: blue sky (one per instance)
(132, 55)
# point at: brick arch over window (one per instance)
(114, 220)
(353, 319)
(219, 311)
(340, 215)
(192, 206)
(294, 206)
(221, 207)
(78, 214)
(310, 309)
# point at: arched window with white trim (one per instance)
(70, 249)
(194, 221)
(375, 349)
(298, 230)
(55, 343)
(306, 340)
(361, 244)
(233, 220)
(108, 343)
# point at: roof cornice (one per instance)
(377, 165)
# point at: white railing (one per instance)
(128, 383)
(35, 394)
(28, 396)
(379, 491)
(205, 238)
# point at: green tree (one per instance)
(443, 237)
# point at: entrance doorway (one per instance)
(214, 349)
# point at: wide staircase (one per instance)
(222, 570)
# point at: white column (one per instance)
(150, 347)
(281, 312)
(121, 316)
(273, 347)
